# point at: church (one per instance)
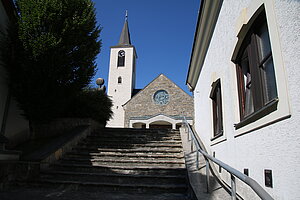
(160, 104)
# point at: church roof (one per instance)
(125, 35)
(135, 91)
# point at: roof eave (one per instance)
(126, 46)
(207, 19)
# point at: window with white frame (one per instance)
(256, 81)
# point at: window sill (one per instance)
(270, 107)
(217, 136)
(218, 139)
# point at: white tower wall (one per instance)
(120, 92)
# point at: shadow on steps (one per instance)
(118, 162)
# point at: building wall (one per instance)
(142, 104)
(260, 145)
(3, 87)
(120, 93)
(17, 128)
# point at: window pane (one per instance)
(119, 79)
(217, 109)
(269, 80)
(249, 107)
(121, 58)
(263, 41)
(248, 95)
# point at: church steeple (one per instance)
(125, 35)
(122, 74)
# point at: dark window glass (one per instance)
(121, 58)
(119, 80)
(255, 69)
(246, 85)
(266, 63)
(217, 108)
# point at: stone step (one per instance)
(131, 133)
(114, 178)
(130, 141)
(107, 186)
(128, 155)
(122, 187)
(134, 131)
(126, 163)
(136, 150)
(123, 160)
(131, 146)
(120, 169)
(142, 131)
(141, 141)
(135, 134)
(136, 138)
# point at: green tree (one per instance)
(91, 103)
(49, 54)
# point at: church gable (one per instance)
(161, 96)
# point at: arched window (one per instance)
(119, 80)
(216, 98)
(121, 58)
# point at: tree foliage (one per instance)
(91, 103)
(49, 54)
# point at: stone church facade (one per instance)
(160, 104)
(148, 110)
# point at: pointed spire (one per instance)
(125, 35)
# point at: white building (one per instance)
(243, 73)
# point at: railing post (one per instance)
(233, 187)
(197, 159)
(207, 174)
(192, 144)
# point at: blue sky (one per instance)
(161, 30)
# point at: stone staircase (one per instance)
(124, 164)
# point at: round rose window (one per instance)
(161, 97)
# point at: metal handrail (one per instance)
(234, 173)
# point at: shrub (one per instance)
(91, 103)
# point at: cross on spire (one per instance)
(125, 35)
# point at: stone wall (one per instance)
(142, 104)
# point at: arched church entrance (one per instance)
(160, 125)
(178, 125)
(139, 125)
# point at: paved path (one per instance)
(198, 176)
(69, 194)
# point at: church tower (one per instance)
(121, 79)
